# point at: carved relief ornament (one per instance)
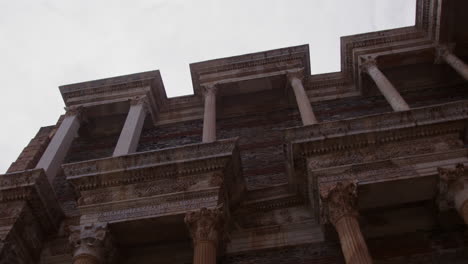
(339, 200)
(209, 89)
(91, 241)
(451, 182)
(205, 224)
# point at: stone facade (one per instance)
(264, 163)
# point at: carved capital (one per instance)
(74, 110)
(442, 51)
(91, 240)
(339, 200)
(296, 74)
(451, 183)
(205, 225)
(367, 63)
(209, 89)
(140, 100)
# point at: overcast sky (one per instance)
(47, 43)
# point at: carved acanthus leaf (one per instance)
(450, 181)
(338, 200)
(205, 224)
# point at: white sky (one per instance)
(47, 43)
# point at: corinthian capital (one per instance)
(92, 241)
(205, 224)
(296, 74)
(442, 51)
(209, 89)
(74, 111)
(451, 183)
(339, 200)
(367, 63)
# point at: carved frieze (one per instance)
(158, 183)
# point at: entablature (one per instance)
(372, 149)
(208, 171)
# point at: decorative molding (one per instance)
(150, 165)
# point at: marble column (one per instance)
(444, 53)
(340, 209)
(91, 244)
(303, 103)
(205, 227)
(453, 190)
(53, 156)
(391, 94)
(131, 131)
(209, 115)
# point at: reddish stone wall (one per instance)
(86, 148)
(33, 151)
(171, 135)
(261, 144)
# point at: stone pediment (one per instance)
(161, 182)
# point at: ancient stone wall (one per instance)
(33, 151)
(170, 135)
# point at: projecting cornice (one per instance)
(378, 147)
(155, 183)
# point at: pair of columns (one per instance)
(58, 147)
(92, 243)
(209, 115)
(392, 96)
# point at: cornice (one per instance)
(32, 187)
(150, 165)
(413, 118)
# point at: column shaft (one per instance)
(85, 259)
(209, 116)
(386, 88)
(303, 103)
(58, 147)
(456, 64)
(131, 131)
(352, 242)
(204, 253)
